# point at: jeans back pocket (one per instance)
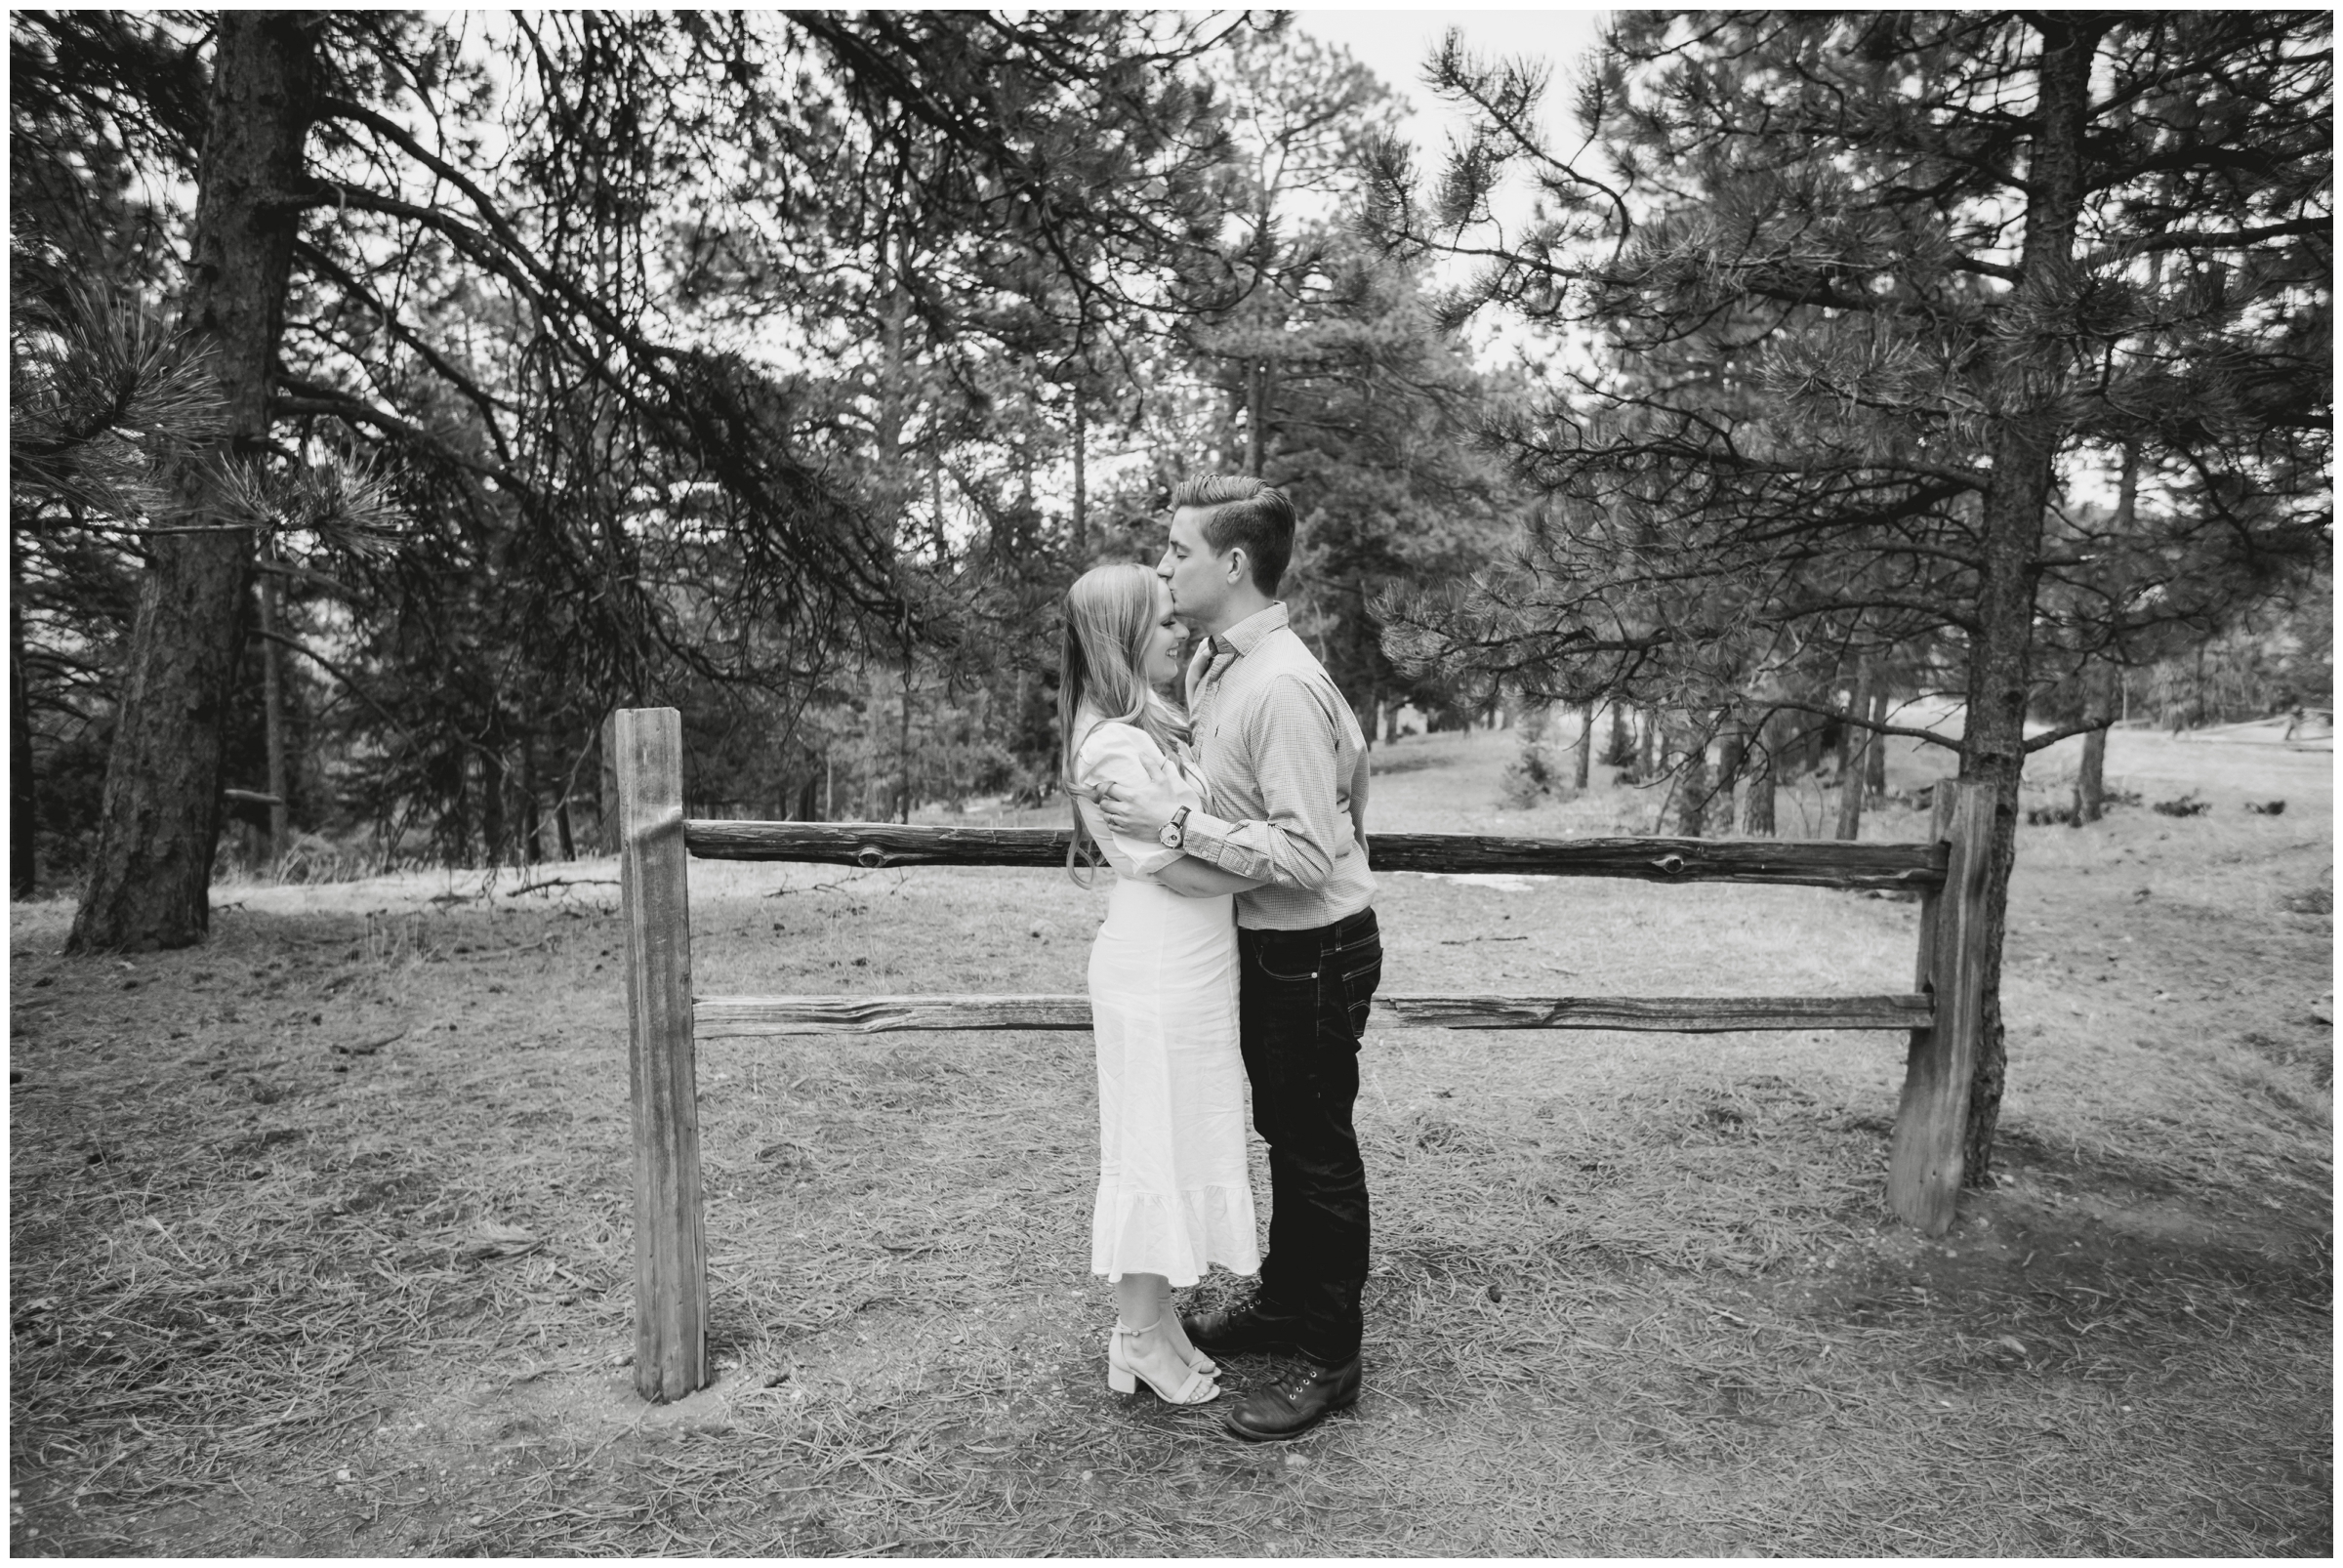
(1359, 982)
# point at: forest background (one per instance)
(810, 458)
(393, 398)
(889, 417)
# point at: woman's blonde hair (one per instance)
(1109, 616)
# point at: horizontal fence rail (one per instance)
(878, 845)
(727, 1017)
(1942, 1018)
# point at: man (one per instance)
(1285, 765)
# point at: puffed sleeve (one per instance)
(1119, 753)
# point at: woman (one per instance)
(1173, 1195)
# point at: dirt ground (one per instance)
(321, 1243)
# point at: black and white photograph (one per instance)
(1103, 784)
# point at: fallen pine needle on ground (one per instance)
(321, 1236)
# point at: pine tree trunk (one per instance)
(903, 748)
(1731, 749)
(272, 694)
(606, 788)
(159, 814)
(493, 837)
(1757, 809)
(532, 824)
(22, 818)
(1082, 480)
(1857, 703)
(1585, 754)
(1621, 756)
(1692, 790)
(2028, 377)
(2099, 678)
(1875, 748)
(2090, 779)
(455, 824)
(1854, 748)
(1256, 398)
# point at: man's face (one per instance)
(1198, 579)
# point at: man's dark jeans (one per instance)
(1302, 1007)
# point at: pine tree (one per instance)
(601, 501)
(1873, 289)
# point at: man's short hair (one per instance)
(1241, 509)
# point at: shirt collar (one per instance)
(1248, 633)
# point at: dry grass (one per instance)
(278, 1293)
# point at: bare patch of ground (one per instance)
(321, 1242)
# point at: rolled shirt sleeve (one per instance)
(1292, 739)
(1116, 752)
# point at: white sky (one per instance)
(1394, 43)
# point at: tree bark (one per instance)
(22, 823)
(455, 822)
(903, 746)
(2028, 375)
(1256, 398)
(493, 839)
(272, 717)
(2090, 779)
(1855, 747)
(1844, 750)
(1586, 752)
(1082, 480)
(1757, 809)
(159, 814)
(1874, 750)
(2099, 677)
(532, 822)
(1732, 749)
(1692, 789)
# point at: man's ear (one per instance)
(1239, 564)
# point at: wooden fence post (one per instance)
(1924, 1160)
(670, 1275)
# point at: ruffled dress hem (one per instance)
(1146, 1233)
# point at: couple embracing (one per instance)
(1238, 945)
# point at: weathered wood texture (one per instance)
(1670, 1015)
(730, 1016)
(1925, 1158)
(1803, 863)
(671, 1274)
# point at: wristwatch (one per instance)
(1175, 832)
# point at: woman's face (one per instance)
(1159, 663)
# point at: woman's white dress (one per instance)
(1174, 1196)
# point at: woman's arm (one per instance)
(1192, 877)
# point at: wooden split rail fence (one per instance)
(1942, 1014)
